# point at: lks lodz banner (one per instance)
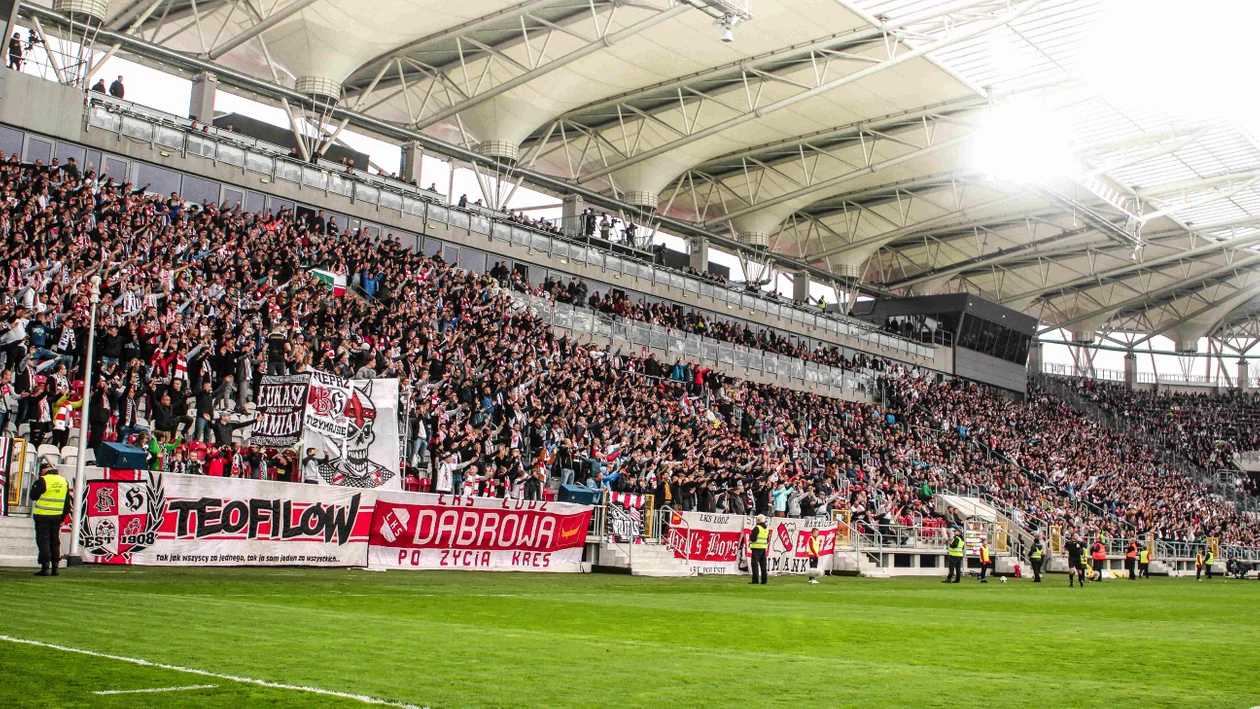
(359, 441)
(789, 539)
(718, 543)
(427, 531)
(192, 520)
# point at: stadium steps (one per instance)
(17, 542)
(655, 560)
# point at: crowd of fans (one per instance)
(1208, 429)
(198, 301)
(1118, 477)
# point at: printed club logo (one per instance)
(118, 531)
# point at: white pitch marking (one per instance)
(157, 689)
(233, 678)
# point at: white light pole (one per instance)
(85, 412)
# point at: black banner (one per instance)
(281, 406)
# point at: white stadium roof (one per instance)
(1053, 155)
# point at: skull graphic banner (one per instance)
(367, 455)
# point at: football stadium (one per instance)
(629, 353)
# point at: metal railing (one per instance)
(693, 348)
(162, 130)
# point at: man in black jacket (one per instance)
(223, 430)
(116, 89)
(204, 409)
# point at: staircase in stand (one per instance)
(17, 542)
(647, 559)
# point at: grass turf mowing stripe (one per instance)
(156, 689)
(191, 670)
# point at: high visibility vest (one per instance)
(1198, 559)
(1036, 552)
(1144, 556)
(763, 538)
(1210, 558)
(1100, 552)
(956, 547)
(53, 501)
(1131, 553)
(984, 555)
(813, 546)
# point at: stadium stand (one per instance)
(193, 291)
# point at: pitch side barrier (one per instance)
(149, 518)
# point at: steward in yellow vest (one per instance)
(51, 498)
(1144, 563)
(758, 542)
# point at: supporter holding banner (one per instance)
(367, 454)
(625, 516)
(412, 530)
(281, 403)
(193, 520)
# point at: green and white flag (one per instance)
(335, 281)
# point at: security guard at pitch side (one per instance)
(51, 497)
(1035, 556)
(954, 558)
(758, 542)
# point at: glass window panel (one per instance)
(231, 155)
(11, 141)
(65, 151)
(413, 206)
(38, 149)
(169, 137)
(437, 213)
(287, 171)
(158, 179)
(232, 195)
(101, 118)
(431, 247)
(459, 219)
(363, 193)
(199, 190)
(136, 128)
(255, 162)
(312, 177)
(254, 202)
(391, 200)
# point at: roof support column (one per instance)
(201, 102)
(800, 286)
(1130, 370)
(1035, 357)
(411, 164)
(698, 258)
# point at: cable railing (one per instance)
(167, 131)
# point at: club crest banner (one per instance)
(326, 401)
(420, 531)
(193, 520)
(281, 403)
(358, 444)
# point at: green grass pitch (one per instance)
(451, 639)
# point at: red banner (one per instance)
(431, 531)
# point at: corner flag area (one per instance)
(110, 637)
